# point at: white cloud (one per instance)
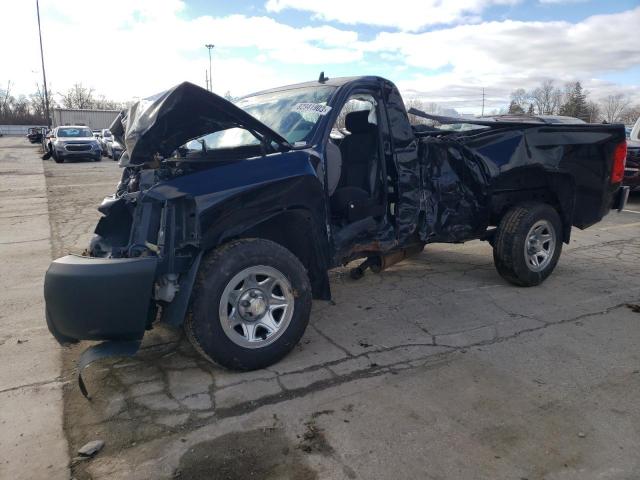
(408, 15)
(501, 56)
(136, 48)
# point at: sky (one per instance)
(443, 51)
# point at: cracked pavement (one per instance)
(436, 368)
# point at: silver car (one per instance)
(74, 142)
(105, 137)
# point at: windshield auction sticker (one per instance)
(311, 108)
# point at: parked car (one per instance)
(632, 167)
(105, 138)
(228, 225)
(74, 142)
(114, 150)
(34, 134)
(47, 143)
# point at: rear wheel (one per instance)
(528, 244)
(250, 305)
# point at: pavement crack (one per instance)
(330, 340)
(57, 380)
(534, 329)
(26, 241)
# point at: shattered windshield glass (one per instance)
(291, 113)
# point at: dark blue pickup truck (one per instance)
(228, 216)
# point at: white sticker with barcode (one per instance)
(318, 108)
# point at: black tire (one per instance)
(203, 325)
(509, 254)
(57, 159)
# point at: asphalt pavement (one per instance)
(436, 368)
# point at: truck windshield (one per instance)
(291, 113)
(74, 132)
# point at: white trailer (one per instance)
(94, 119)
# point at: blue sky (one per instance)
(445, 51)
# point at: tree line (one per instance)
(572, 100)
(547, 99)
(30, 109)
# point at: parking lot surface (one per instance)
(436, 368)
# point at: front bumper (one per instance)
(90, 298)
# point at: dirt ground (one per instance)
(436, 368)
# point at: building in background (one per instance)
(94, 119)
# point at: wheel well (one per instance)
(294, 230)
(557, 190)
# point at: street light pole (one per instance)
(210, 47)
(44, 75)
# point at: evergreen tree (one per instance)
(575, 104)
(581, 109)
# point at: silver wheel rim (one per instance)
(256, 306)
(540, 245)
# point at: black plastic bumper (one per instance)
(620, 200)
(98, 298)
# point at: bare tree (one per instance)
(37, 103)
(630, 114)
(427, 107)
(519, 98)
(78, 96)
(547, 98)
(593, 112)
(613, 107)
(104, 103)
(6, 94)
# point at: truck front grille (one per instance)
(80, 147)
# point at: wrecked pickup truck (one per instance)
(228, 216)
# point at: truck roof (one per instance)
(332, 82)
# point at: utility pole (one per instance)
(44, 75)
(210, 47)
(482, 115)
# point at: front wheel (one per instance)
(528, 244)
(250, 305)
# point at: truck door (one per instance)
(356, 172)
(403, 167)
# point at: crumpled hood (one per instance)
(163, 122)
